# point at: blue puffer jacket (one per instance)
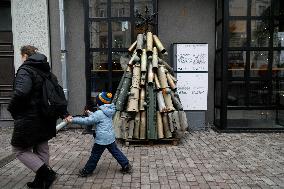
(102, 118)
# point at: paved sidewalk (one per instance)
(5, 148)
(203, 160)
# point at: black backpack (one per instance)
(53, 103)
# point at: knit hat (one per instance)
(104, 98)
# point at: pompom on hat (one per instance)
(104, 98)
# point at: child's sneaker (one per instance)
(83, 173)
(126, 169)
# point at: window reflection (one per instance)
(99, 61)
(236, 63)
(238, 7)
(259, 93)
(97, 8)
(258, 63)
(259, 33)
(253, 119)
(278, 64)
(279, 8)
(260, 7)
(236, 93)
(238, 33)
(278, 93)
(278, 33)
(119, 61)
(120, 8)
(121, 34)
(98, 35)
(139, 5)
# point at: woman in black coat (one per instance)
(32, 129)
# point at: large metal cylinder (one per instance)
(114, 99)
(144, 61)
(151, 112)
(124, 91)
(167, 131)
(159, 44)
(150, 73)
(177, 104)
(136, 125)
(183, 120)
(162, 77)
(157, 82)
(134, 90)
(132, 47)
(168, 99)
(149, 45)
(170, 119)
(155, 59)
(168, 67)
(176, 122)
(143, 78)
(143, 125)
(142, 99)
(117, 123)
(160, 125)
(125, 125)
(173, 78)
(134, 58)
(171, 82)
(131, 129)
(161, 102)
(140, 42)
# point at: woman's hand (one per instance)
(68, 119)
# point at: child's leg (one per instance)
(96, 153)
(117, 154)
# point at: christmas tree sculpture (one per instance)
(147, 105)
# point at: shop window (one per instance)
(237, 33)
(260, 33)
(260, 7)
(253, 55)
(259, 64)
(236, 93)
(97, 8)
(238, 7)
(254, 119)
(120, 8)
(121, 34)
(259, 93)
(99, 35)
(278, 33)
(278, 64)
(236, 63)
(109, 38)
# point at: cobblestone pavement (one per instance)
(202, 160)
(5, 148)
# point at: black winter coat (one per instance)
(30, 126)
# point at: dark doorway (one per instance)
(6, 59)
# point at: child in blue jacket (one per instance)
(104, 134)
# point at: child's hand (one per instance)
(88, 112)
(68, 119)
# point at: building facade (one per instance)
(244, 37)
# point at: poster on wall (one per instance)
(193, 89)
(192, 57)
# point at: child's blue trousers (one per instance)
(98, 150)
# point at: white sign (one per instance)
(192, 57)
(193, 89)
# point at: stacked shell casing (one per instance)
(147, 104)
